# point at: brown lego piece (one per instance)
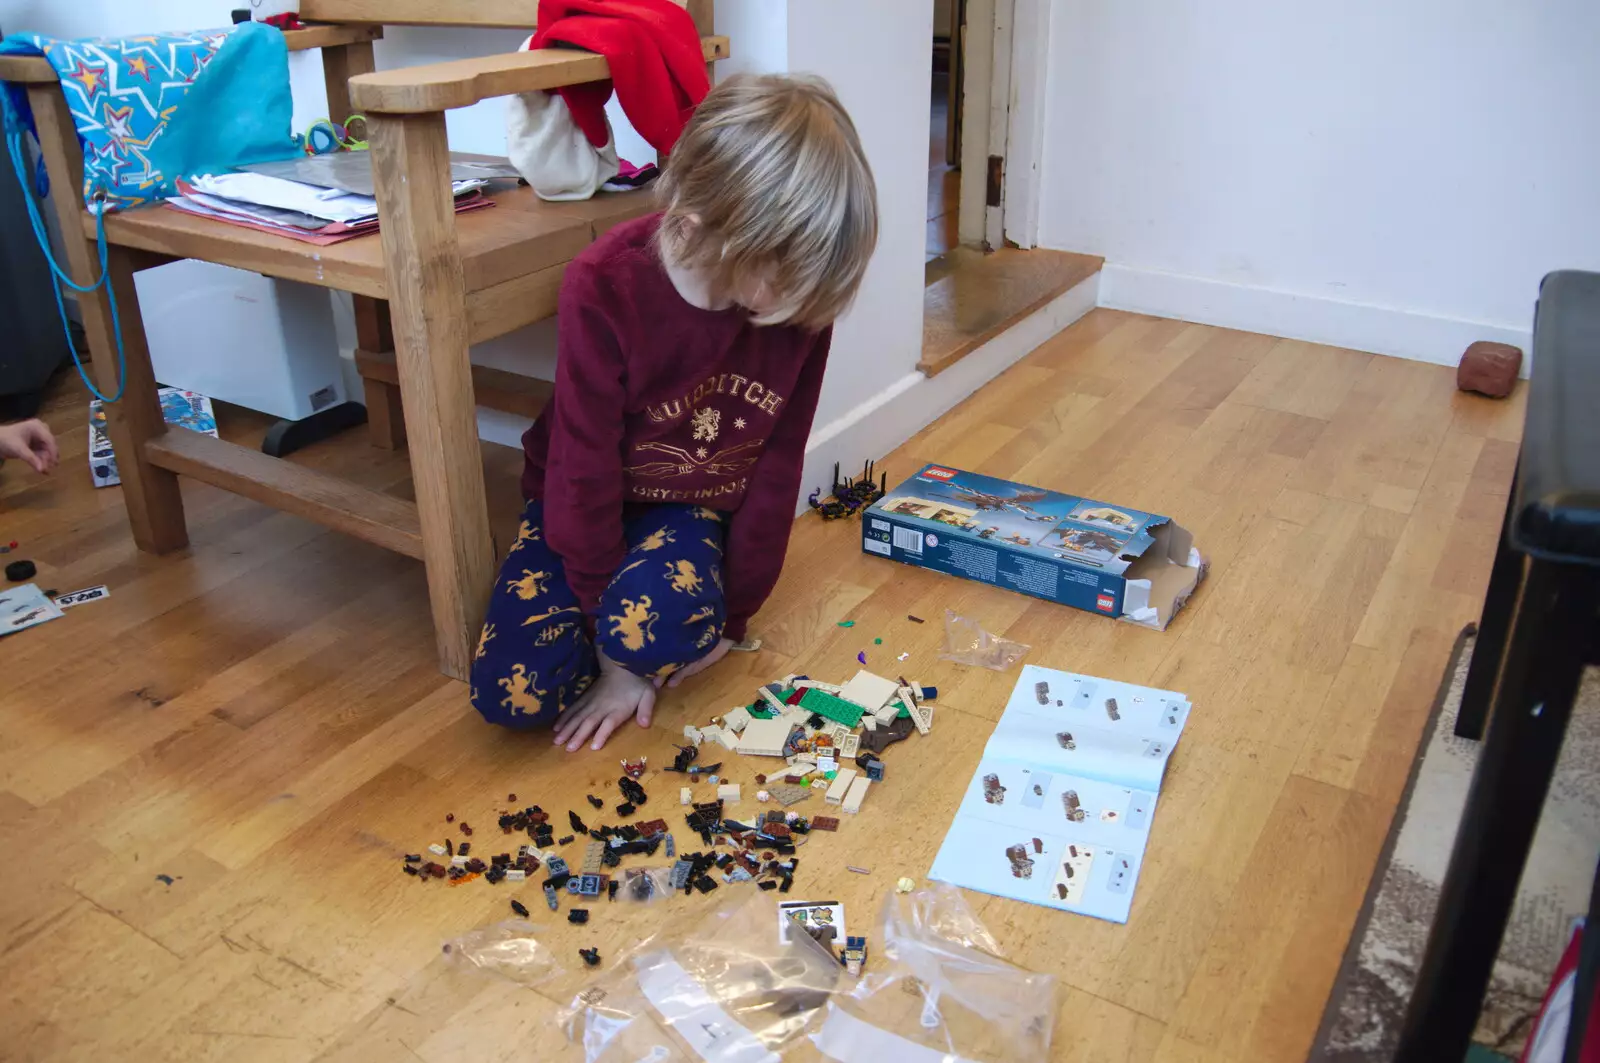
(898, 730)
(824, 823)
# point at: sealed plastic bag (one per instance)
(967, 643)
(723, 988)
(935, 990)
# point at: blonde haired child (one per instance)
(662, 478)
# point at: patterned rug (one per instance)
(1362, 1021)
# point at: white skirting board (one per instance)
(1316, 319)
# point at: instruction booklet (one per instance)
(1059, 811)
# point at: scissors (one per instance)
(326, 136)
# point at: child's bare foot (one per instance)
(718, 652)
(615, 696)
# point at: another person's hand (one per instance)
(718, 652)
(30, 442)
(615, 696)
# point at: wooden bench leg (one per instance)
(428, 307)
(155, 507)
(386, 423)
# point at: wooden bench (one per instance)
(429, 286)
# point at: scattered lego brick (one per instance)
(788, 795)
(856, 794)
(830, 707)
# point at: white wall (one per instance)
(880, 68)
(1394, 177)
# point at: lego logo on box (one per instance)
(1105, 603)
(933, 472)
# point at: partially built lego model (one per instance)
(848, 497)
(817, 729)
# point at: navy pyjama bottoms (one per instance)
(663, 610)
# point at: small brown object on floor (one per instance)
(1489, 368)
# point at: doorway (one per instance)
(944, 133)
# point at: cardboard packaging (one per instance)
(1105, 559)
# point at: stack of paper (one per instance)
(1059, 811)
(301, 211)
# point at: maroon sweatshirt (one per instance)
(659, 401)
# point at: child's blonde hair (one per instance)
(769, 179)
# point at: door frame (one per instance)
(1004, 91)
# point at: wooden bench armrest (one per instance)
(36, 69)
(463, 82)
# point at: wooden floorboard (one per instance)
(259, 717)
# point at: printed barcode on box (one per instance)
(908, 540)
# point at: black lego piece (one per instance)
(632, 791)
(596, 802)
(577, 824)
(591, 957)
(18, 571)
(625, 809)
(520, 908)
(577, 915)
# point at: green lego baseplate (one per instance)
(831, 708)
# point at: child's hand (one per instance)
(615, 696)
(31, 442)
(718, 652)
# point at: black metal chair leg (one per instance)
(1588, 969)
(1539, 679)
(1488, 650)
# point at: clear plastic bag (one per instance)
(644, 884)
(724, 989)
(935, 990)
(967, 643)
(507, 949)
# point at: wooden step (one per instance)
(973, 296)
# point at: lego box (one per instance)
(1105, 559)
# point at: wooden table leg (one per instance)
(386, 423)
(428, 311)
(155, 507)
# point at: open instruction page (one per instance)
(1059, 811)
